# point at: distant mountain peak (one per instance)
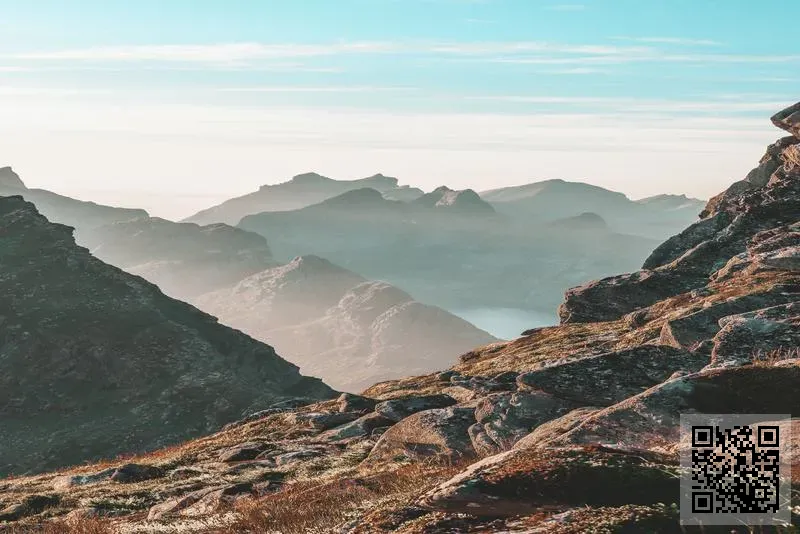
(357, 197)
(8, 178)
(465, 200)
(310, 178)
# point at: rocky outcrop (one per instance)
(788, 119)
(765, 203)
(606, 379)
(524, 482)
(126, 368)
(438, 435)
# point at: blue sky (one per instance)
(132, 101)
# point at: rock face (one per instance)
(185, 260)
(95, 362)
(301, 191)
(734, 225)
(337, 325)
(577, 424)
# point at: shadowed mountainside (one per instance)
(95, 362)
(185, 260)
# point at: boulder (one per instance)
(69, 481)
(609, 378)
(687, 331)
(400, 408)
(200, 502)
(788, 119)
(130, 473)
(744, 340)
(549, 432)
(349, 402)
(439, 434)
(242, 452)
(362, 427)
(505, 418)
(524, 482)
(611, 298)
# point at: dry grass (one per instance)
(76, 526)
(770, 358)
(308, 507)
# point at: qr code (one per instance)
(736, 470)
(733, 468)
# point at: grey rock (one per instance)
(349, 402)
(609, 378)
(400, 408)
(505, 418)
(440, 434)
(130, 473)
(243, 451)
(364, 426)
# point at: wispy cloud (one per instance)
(212, 53)
(671, 40)
(726, 104)
(326, 89)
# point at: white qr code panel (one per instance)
(734, 469)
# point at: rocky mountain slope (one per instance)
(96, 362)
(337, 325)
(65, 210)
(301, 191)
(185, 260)
(332, 322)
(450, 249)
(568, 429)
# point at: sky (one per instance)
(175, 105)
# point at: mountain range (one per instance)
(570, 428)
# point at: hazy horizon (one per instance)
(176, 107)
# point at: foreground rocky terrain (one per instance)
(96, 362)
(568, 429)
